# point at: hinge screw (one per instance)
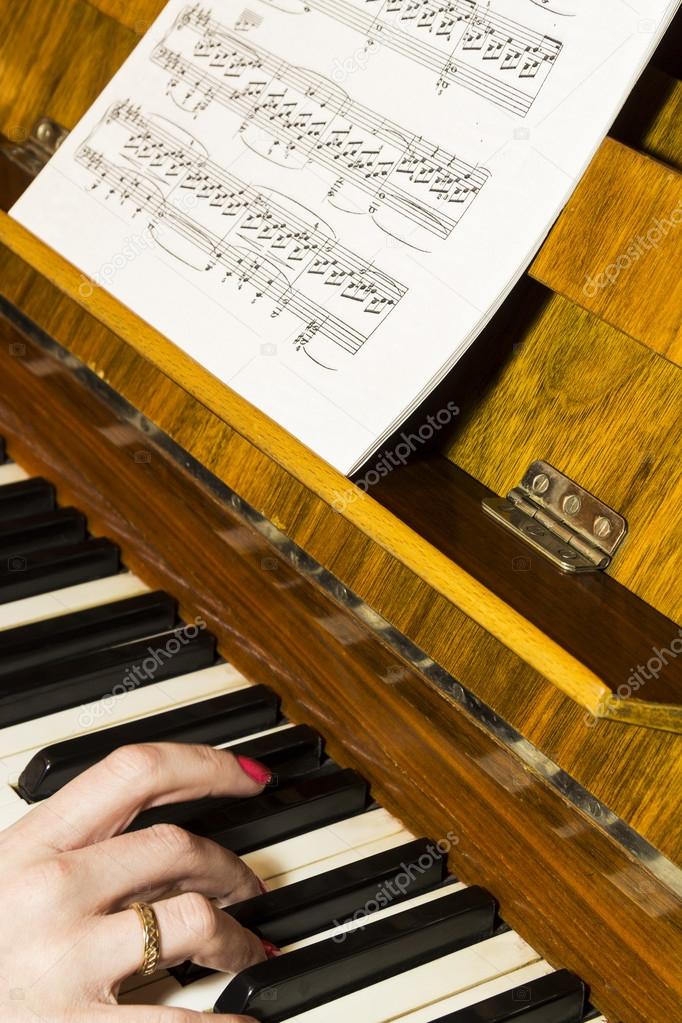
(602, 526)
(44, 132)
(541, 483)
(571, 504)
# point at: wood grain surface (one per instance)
(602, 408)
(443, 504)
(617, 247)
(56, 56)
(391, 574)
(561, 882)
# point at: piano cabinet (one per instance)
(563, 879)
(480, 690)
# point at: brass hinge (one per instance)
(44, 141)
(571, 527)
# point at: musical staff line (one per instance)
(503, 49)
(268, 247)
(311, 119)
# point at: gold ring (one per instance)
(152, 938)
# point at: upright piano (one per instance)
(486, 638)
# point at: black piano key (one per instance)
(3, 451)
(330, 969)
(95, 628)
(213, 721)
(92, 676)
(556, 998)
(27, 575)
(242, 825)
(59, 528)
(25, 498)
(288, 753)
(331, 898)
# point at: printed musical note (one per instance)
(462, 42)
(292, 117)
(212, 220)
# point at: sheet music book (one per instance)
(324, 201)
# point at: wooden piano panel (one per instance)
(617, 248)
(604, 409)
(134, 14)
(57, 56)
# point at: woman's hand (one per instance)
(67, 936)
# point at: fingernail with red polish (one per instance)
(271, 950)
(257, 772)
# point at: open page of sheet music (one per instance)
(324, 201)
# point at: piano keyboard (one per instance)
(370, 925)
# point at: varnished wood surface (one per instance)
(565, 886)
(136, 15)
(14, 179)
(594, 752)
(617, 247)
(591, 615)
(56, 56)
(599, 406)
(650, 120)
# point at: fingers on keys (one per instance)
(191, 927)
(160, 860)
(101, 802)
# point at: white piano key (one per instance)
(341, 859)
(71, 598)
(380, 1003)
(23, 740)
(427, 984)
(478, 993)
(317, 846)
(11, 473)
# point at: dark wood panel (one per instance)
(601, 622)
(568, 888)
(14, 179)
